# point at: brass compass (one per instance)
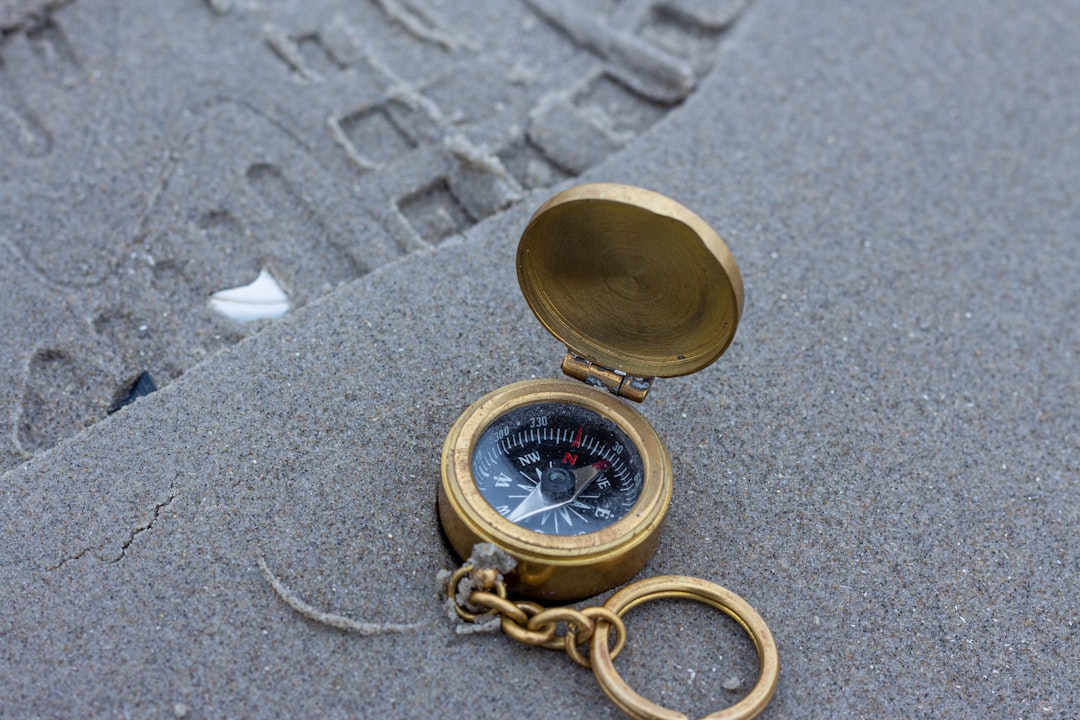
(563, 475)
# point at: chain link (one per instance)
(530, 623)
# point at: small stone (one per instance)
(181, 710)
(732, 683)
(143, 386)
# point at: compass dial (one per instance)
(557, 468)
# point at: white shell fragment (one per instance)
(262, 299)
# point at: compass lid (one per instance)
(630, 279)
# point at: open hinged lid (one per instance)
(630, 280)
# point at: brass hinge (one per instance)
(614, 381)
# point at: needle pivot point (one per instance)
(558, 484)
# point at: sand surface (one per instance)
(884, 463)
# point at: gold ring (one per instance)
(688, 588)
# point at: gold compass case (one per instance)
(637, 287)
(554, 567)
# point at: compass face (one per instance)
(557, 468)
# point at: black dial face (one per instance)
(557, 468)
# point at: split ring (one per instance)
(688, 588)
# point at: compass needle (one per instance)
(561, 475)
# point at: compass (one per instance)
(562, 474)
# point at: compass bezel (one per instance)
(555, 567)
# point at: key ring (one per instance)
(532, 624)
(688, 588)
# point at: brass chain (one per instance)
(530, 623)
(533, 624)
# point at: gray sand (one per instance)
(884, 463)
